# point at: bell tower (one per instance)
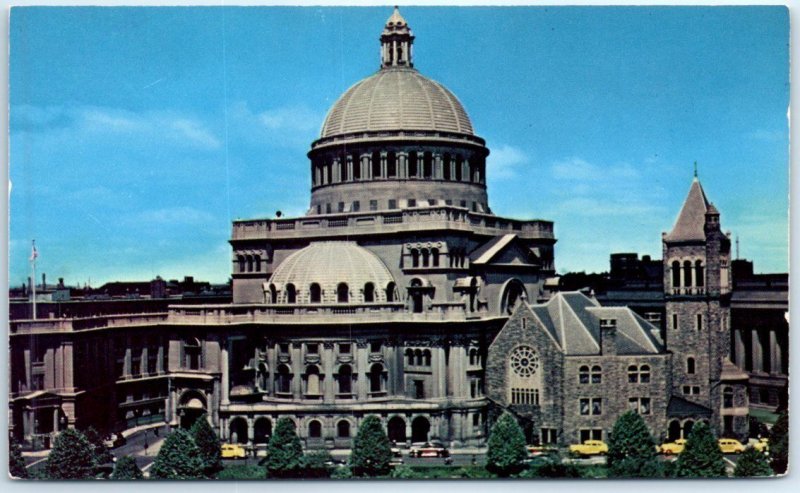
(396, 42)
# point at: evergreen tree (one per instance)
(779, 444)
(101, 453)
(179, 458)
(208, 443)
(125, 469)
(284, 452)
(752, 463)
(631, 449)
(317, 464)
(16, 464)
(72, 457)
(701, 457)
(506, 453)
(372, 450)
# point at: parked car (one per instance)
(115, 440)
(397, 457)
(760, 444)
(541, 450)
(673, 448)
(232, 451)
(430, 449)
(589, 448)
(730, 446)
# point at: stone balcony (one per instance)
(316, 313)
(77, 324)
(416, 219)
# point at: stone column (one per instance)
(126, 371)
(361, 369)
(55, 419)
(774, 353)
(250, 430)
(756, 352)
(437, 167)
(336, 171)
(420, 164)
(226, 373)
(389, 364)
(297, 371)
(328, 368)
(68, 368)
(439, 371)
(366, 167)
(453, 168)
(385, 166)
(739, 348)
(402, 165)
(409, 419)
(456, 372)
(350, 174)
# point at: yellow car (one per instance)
(232, 451)
(671, 448)
(589, 447)
(730, 446)
(762, 445)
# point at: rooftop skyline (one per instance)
(138, 134)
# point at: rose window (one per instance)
(524, 361)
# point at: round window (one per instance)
(524, 361)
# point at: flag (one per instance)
(34, 252)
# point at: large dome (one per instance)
(329, 265)
(396, 99)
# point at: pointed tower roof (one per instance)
(692, 218)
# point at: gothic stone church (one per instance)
(398, 294)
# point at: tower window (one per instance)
(675, 321)
(699, 322)
(690, 366)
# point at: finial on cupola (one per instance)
(396, 42)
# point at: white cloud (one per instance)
(504, 161)
(284, 126)
(173, 215)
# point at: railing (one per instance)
(689, 291)
(76, 324)
(449, 217)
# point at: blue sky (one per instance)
(138, 134)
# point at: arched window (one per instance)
(633, 374)
(314, 429)
(473, 356)
(426, 357)
(459, 167)
(418, 357)
(390, 288)
(690, 365)
(597, 374)
(369, 292)
(283, 382)
(644, 374)
(257, 261)
(356, 167)
(698, 273)
(375, 160)
(412, 164)
(376, 378)
(727, 397)
(241, 261)
(410, 357)
(291, 293)
(249, 263)
(312, 380)
(273, 294)
(263, 377)
(342, 293)
(687, 274)
(315, 293)
(345, 379)
(343, 429)
(192, 351)
(391, 164)
(415, 258)
(425, 257)
(676, 274)
(435, 257)
(583, 374)
(427, 165)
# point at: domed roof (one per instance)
(328, 264)
(396, 99)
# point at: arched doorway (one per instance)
(674, 431)
(420, 428)
(397, 429)
(191, 406)
(238, 430)
(513, 292)
(687, 428)
(262, 430)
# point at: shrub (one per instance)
(72, 457)
(179, 458)
(752, 463)
(101, 453)
(779, 444)
(16, 464)
(208, 443)
(506, 451)
(405, 472)
(342, 473)
(552, 468)
(125, 469)
(284, 452)
(317, 464)
(701, 457)
(631, 449)
(241, 471)
(372, 450)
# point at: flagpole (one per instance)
(33, 277)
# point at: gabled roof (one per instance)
(488, 250)
(691, 221)
(503, 249)
(679, 407)
(573, 320)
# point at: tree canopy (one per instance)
(506, 448)
(631, 449)
(208, 443)
(779, 444)
(372, 450)
(72, 457)
(284, 452)
(701, 457)
(752, 463)
(126, 469)
(179, 458)
(16, 464)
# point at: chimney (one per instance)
(61, 283)
(44, 281)
(608, 336)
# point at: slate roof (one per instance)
(488, 250)
(573, 320)
(692, 218)
(679, 407)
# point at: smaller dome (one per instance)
(331, 272)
